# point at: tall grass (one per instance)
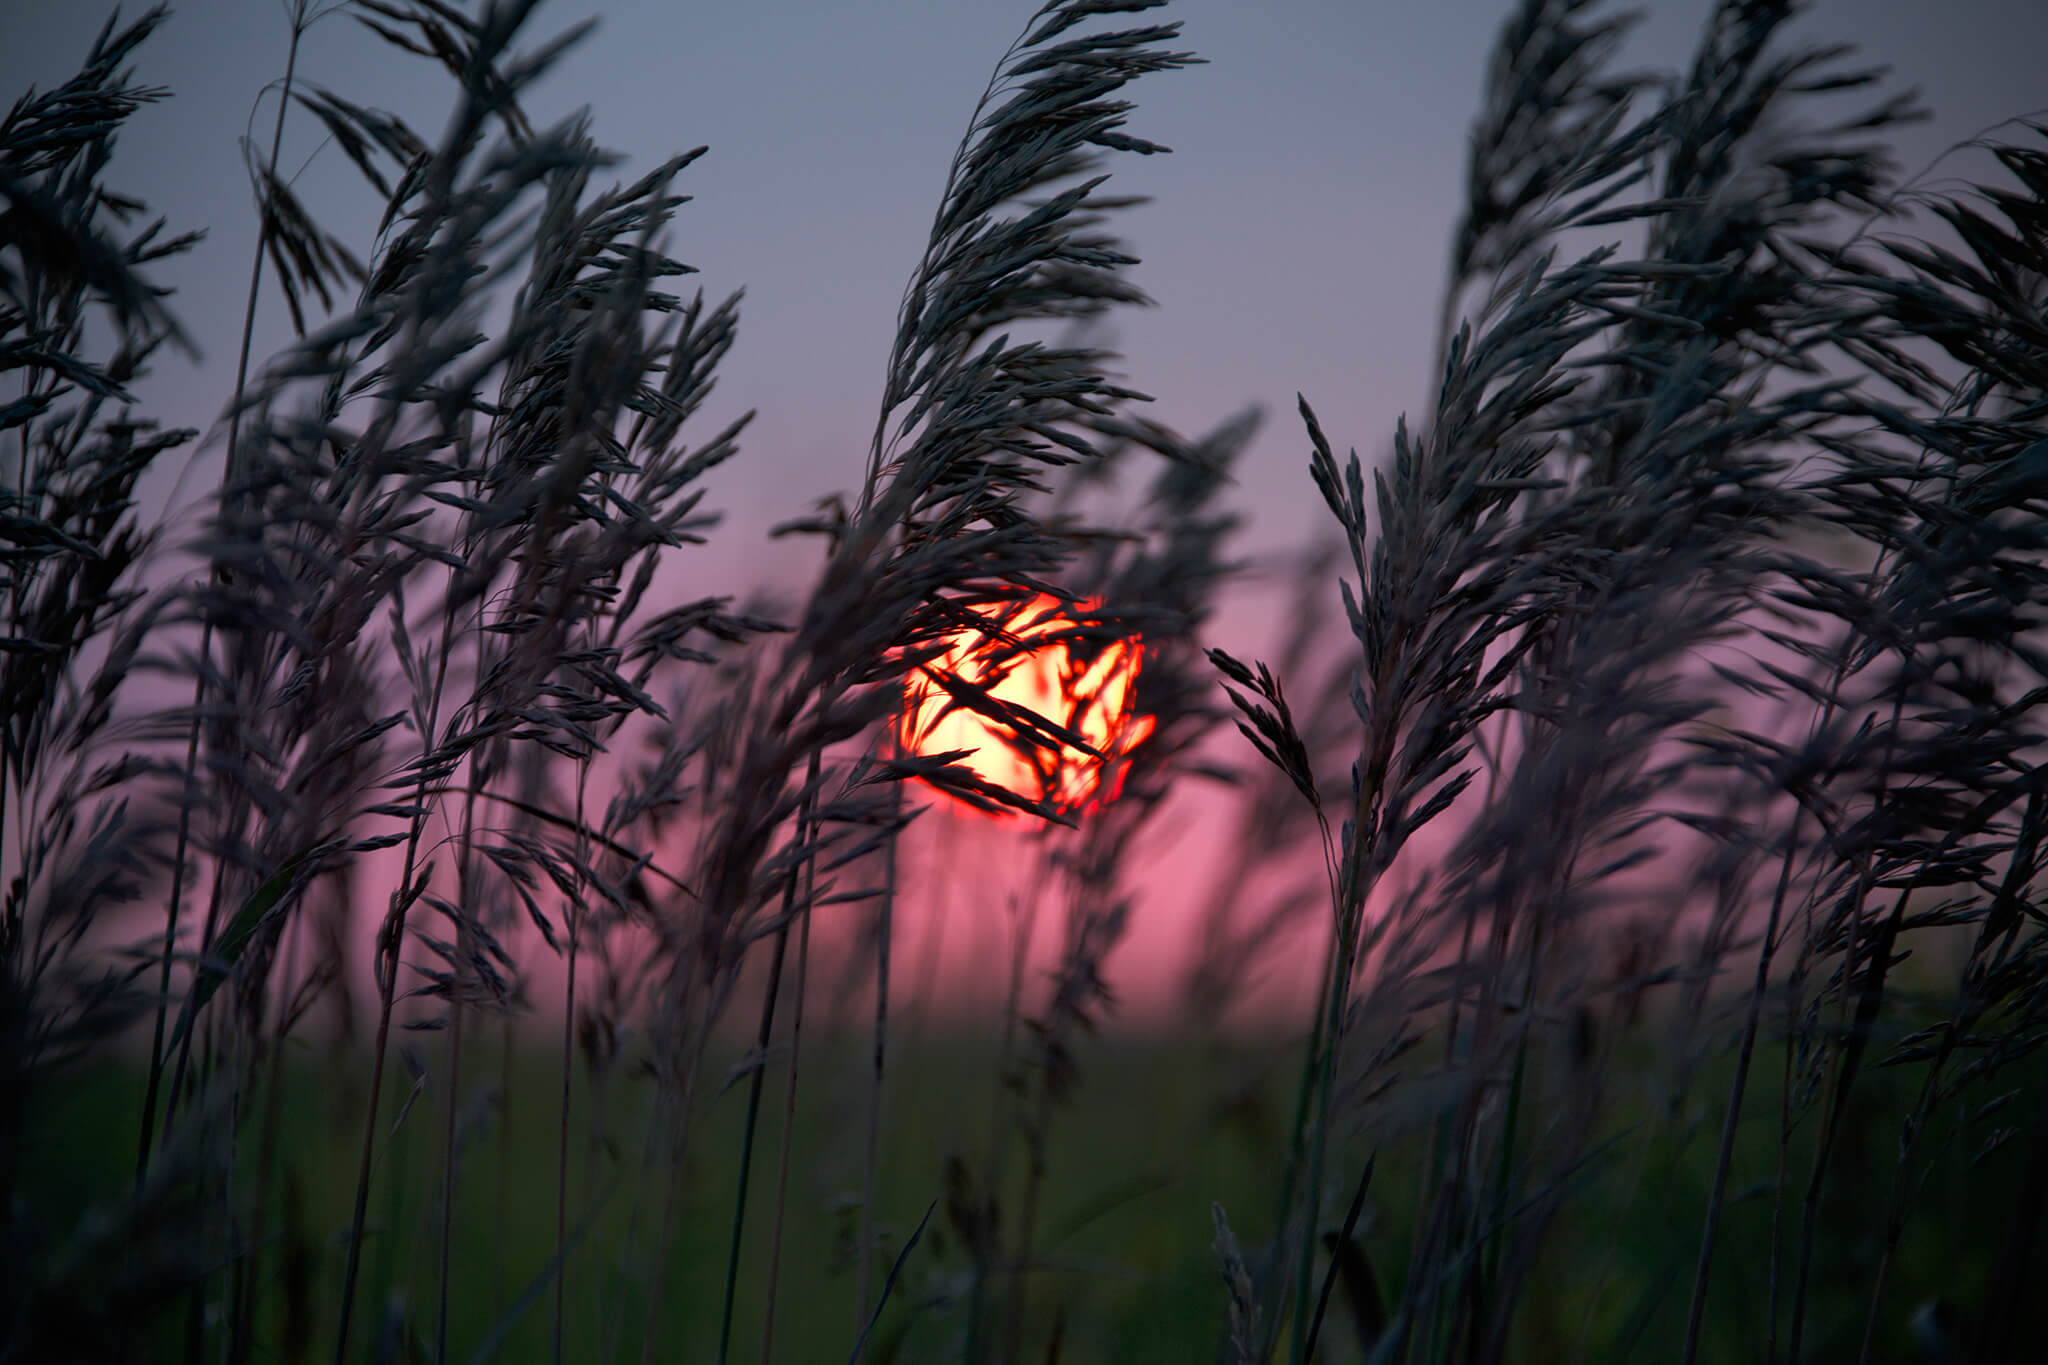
(1677, 907)
(1589, 620)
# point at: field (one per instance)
(1127, 1271)
(434, 931)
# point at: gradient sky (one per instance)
(1296, 239)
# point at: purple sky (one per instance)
(1296, 240)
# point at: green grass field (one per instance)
(1156, 1132)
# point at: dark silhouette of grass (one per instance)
(1697, 621)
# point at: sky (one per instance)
(1295, 241)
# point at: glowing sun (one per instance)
(1037, 662)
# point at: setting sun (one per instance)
(1088, 688)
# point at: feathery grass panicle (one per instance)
(82, 317)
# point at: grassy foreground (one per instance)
(1159, 1130)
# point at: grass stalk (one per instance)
(796, 1037)
(390, 950)
(756, 1082)
(871, 1151)
(1724, 1157)
(179, 859)
(445, 1225)
(241, 1332)
(573, 926)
